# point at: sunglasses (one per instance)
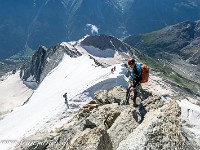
(131, 65)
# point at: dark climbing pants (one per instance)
(128, 92)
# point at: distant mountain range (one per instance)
(177, 46)
(34, 22)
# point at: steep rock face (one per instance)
(43, 61)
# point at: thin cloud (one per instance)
(93, 28)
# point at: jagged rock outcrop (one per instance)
(117, 95)
(154, 124)
(124, 125)
(160, 130)
(104, 116)
(92, 139)
(43, 61)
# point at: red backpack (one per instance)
(145, 73)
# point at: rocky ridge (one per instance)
(46, 59)
(106, 124)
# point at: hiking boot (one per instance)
(135, 105)
(125, 103)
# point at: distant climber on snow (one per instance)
(137, 74)
(113, 69)
(66, 100)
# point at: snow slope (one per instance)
(190, 114)
(13, 93)
(79, 77)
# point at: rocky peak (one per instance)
(43, 61)
(104, 42)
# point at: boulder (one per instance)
(101, 96)
(91, 139)
(159, 130)
(117, 95)
(104, 116)
(123, 126)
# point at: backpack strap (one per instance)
(137, 70)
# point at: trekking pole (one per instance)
(140, 87)
(127, 96)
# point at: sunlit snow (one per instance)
(79, 77)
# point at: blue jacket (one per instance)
(136, 74)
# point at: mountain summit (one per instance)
(105, 50)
